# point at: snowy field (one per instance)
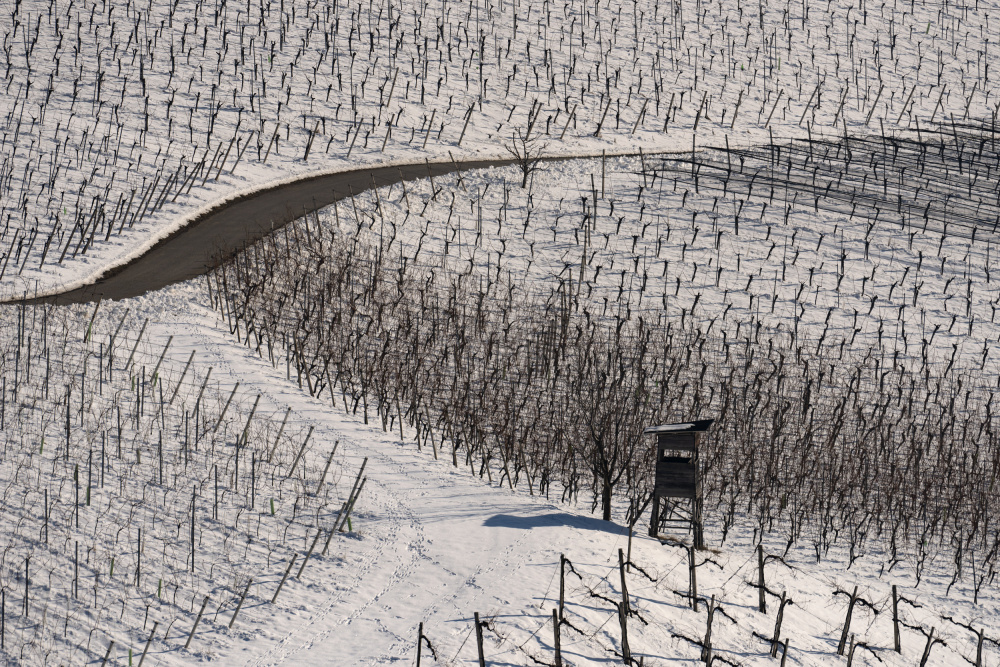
(882, 310)
(120, 119)
(221, 472)
(428, 543)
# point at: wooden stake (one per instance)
(183, 373)
(847, 623)
(281, 430)
(623, 621)
(350, 507)
(137, 340)
(309, 553)
(555, 631)
(285, 576)
(204, 603)
(107, 654)
(569, 119)
(420, 641)
(692, 579)
(246, 429)
(895, 621)
(468, 116)
(479, 640)
(706, 652)
(761, 597)
(327, 467)
(777, 627)
(357, 481)
(597, 132)
(222, 415)
(194, 498)
(302, 450)
(148, 642)
(239, 606)
(160, 360)
(562, 585)
(621, 573)
(26, 582)
(90, 324)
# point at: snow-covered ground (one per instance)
(431, 544)
(120, 121)
(885, 290)
(662, 246)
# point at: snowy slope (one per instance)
(432, 545)
(119, 120)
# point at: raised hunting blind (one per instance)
(677, 489)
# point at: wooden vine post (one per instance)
(479, 640)
(562, 585)
(761, 597)
(623, 622)
(621, 572)
(421, 640)
(706, 651)
(692, 579)
(895, 621)
(197, 620)
(777, 626)
(847, 623)
(555, 632)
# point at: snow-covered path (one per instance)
(431, 543)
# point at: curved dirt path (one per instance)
(192, 250)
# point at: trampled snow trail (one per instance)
(426, 559)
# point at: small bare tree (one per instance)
(527, 152)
